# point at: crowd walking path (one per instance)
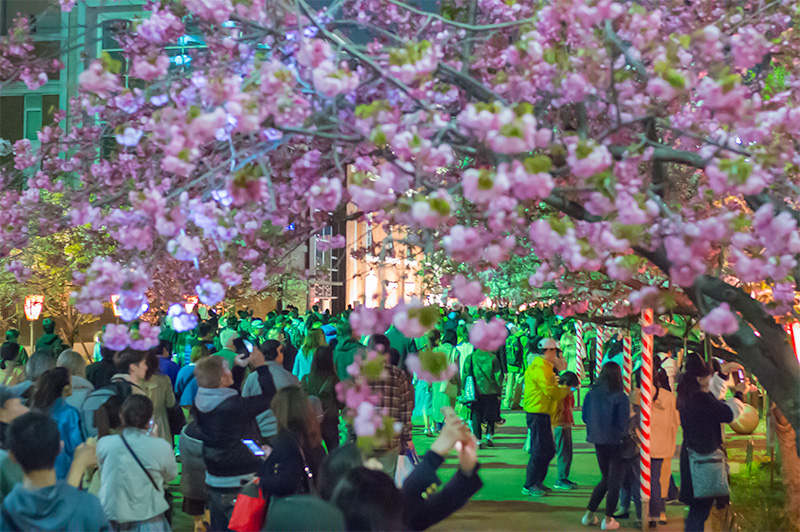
(500, 505)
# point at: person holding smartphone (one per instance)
(225, 419)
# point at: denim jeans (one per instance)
(630, 487)
(220, 505)
(543, 449)
(563, 438)
(656, 500)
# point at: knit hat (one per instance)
(227, 336)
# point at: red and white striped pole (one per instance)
(598, 351)
(646, 405)
(580, 352)
(627, 362)
(580, 349)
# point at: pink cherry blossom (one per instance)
(258, 280)
(488, 336)
(228, 274)
(97, 80)
(129, 137)
(720, 321)
(144, 68)
(210, 292)
(217, 11)
(146, 337)
(467, 292)
(116, 337)
(182, 321)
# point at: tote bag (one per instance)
(249, 510)
(709, 474)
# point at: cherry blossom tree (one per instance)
(615, 138)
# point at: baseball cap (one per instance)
(548, 343)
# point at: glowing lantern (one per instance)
(114, 299)
(33, 307)
(191, 302)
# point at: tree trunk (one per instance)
(761, 345)
(790, 466)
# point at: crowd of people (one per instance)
(250, 405)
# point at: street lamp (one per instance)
(33, 309)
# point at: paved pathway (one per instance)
(500, 505)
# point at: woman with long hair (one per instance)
(297, 451)
(606, 413)
(305, 355)
(701, 413)
(321, 382)
(158, 388)
(50, 394)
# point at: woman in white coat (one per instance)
(134, 465)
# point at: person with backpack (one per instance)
(269, 376)
(52, 389)
(484, 367)
(321, 382)
(101, 409)
(49, 342)
(515, 361)
(225, 420)
(134, 466)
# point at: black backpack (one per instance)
(101, 408)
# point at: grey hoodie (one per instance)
(80, 389)
(56, 507)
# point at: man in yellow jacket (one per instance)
(540, 401)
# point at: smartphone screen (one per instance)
(741, 376)
(254, 448)
(243, 347)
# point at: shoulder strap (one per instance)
(146, 472)
(309, 475)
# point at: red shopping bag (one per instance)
(249, 510)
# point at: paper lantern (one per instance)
(191, 302)
(747, 422)
(33, 307)
(114, 299)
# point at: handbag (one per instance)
(176, 419)
(630, 442)
(469, 393)
(249, 509)
(709, 474)
(406, 463)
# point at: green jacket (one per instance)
(344, 354)
(485, 367)
(50, 343)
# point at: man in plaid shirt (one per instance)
(396, 399)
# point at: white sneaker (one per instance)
(589, 519)
(609, 523)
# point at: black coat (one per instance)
(423, 506)
(222, 431)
